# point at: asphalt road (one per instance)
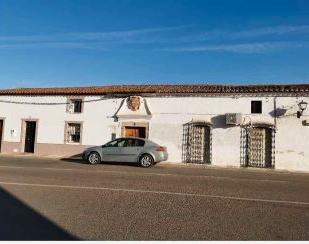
(48, 199)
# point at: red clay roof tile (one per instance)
(158, 89)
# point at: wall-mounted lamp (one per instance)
(302, 106)
(13, 133)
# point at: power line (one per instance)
(38, 103)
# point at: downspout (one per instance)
(275, 112)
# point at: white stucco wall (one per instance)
(51, 119)
(168, 114)
(292, 138)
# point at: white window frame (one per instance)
(71, 106)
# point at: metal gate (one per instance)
(196, 146)
(258, 147)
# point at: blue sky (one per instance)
(46, 43)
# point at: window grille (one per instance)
(257, 147)
(196, 146)
(243, 147)
(73, 133)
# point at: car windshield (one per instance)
(111, 144)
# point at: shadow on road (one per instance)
(74, 160)
(77, 159)
(20, 222)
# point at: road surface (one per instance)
(49, 199)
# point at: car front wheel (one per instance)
(146, 160)
(94, 158)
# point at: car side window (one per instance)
(126, 143)
(129, 143)
(139, 143)
(121, 143)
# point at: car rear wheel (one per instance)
(94, 158)
(146, 160)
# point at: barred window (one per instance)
(73, 132)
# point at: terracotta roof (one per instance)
(160, 89)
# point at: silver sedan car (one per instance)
(132, 150)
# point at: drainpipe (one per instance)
(275, 112)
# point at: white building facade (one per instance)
(241, 126)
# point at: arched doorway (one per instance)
(196, 146)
